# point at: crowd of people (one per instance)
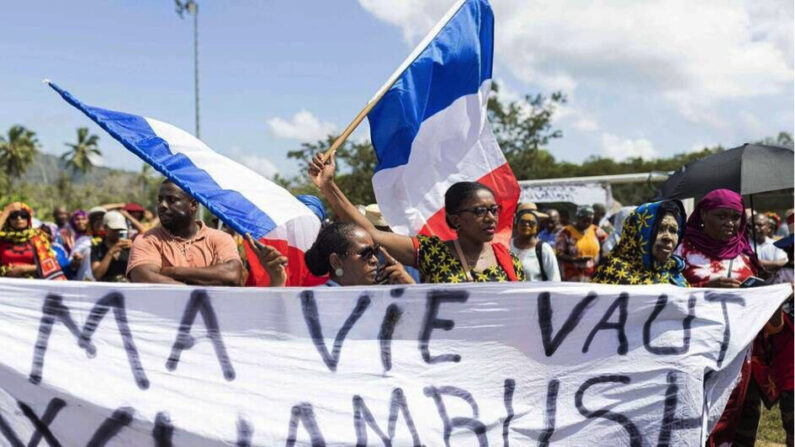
(720, 245)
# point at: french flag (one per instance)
(430, 130)
(241, 198)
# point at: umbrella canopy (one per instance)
(748, 169)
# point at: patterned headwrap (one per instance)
(19, 236)
(632, 261)
(46, 264)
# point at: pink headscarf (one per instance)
(737, 244)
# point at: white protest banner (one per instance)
(577, 193)
(520, 364)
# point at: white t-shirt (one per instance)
(83, 247)
(530, 263)
(769, 252)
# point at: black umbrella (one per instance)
(748, 169)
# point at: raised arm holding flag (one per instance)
(435, 151)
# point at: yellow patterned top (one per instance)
(438, 265)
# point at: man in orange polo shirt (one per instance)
(183, 250)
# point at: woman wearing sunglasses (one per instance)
(471, 210)
(25, 252)
(347, 253)
(538, 257)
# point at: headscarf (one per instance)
(584, 210)
(618, 225)
(46, 263)
(737, 244)
(52, 229)
(632, 261)
(73, 218)
(18, 236)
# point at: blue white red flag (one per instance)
(241, 198)
(431, 130)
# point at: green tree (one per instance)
(355, 166)
(17, 151)
(782, 139)
(78, 158)
(148, 182)
(523, 128)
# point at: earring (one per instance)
(339, 272)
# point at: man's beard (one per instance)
(177, 222)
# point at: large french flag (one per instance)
(430, 130)
(241, 198)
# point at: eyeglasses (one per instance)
(369, 251)
(527, 223)
(19, 215)
(481, 211)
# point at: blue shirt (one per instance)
(548, 236)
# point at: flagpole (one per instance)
(393, 78)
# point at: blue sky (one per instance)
(644, 78)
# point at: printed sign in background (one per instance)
(579, 193)
(486, 365)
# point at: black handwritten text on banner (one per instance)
(486, 365)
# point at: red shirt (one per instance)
(16, 254)
(701, 268)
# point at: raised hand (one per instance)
(122, 244)
(322, 171)
(272, 260)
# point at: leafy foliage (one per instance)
(522, 128)
(78, 159)
(355, 166)
(17, 152)
(49, 183)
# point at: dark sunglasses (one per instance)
(19, 214)
(481, 211)
(366, 252)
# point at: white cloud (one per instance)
(260, 165)
(693, 54)
(586, 124)
(304, 126)
(415, 17)
(619, 148)
(752, 123)
(257, 163)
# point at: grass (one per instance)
(770, 433)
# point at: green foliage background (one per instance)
(523, 128)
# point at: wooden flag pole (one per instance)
(392, 79)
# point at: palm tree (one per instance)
(17, 151)
(78, 159)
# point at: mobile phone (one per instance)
(752, 281)
(380, 271)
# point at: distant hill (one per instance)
(47, 183)
(47, 168)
